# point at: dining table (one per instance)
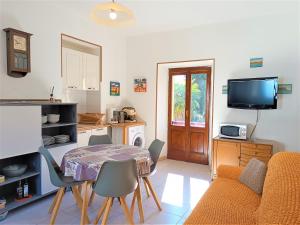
(84, 164)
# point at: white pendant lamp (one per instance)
(112, 14)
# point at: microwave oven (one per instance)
(234, 131)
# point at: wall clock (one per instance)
(18, 52)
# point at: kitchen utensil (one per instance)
(14, 170)
(44, 119)
(53, 118)
(48, 140)
(92, 118)
(60, 139)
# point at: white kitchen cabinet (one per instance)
(83, 138)
(99, 131)
(20, 130)
(57, 153)
(72, 68)
(91, 65)
(81, 71)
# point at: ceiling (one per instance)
(163, 15)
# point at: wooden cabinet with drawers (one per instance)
(239, 152)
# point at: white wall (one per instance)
(275, 38)
(46, 21)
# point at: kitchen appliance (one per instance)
(253, 93)
(130, 114)
(233, 131)
(136, 136)
(110, 114)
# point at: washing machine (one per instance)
(136, 136)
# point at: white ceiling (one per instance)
(163, 15)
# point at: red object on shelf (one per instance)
(23, 199)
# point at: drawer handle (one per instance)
(99, 129)
(82, 132)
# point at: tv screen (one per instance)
(253, 93)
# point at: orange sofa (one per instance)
(228, 201)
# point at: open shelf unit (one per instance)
(32, 175)
(26, 175)
(67, 124)
(37, 174)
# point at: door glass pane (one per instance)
(198, 100)
(178, 100)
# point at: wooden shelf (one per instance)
(51, 125)
(9, 180)
(12, 204)
(59, 145)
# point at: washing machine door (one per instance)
(139, 140)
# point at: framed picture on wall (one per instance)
(140, 85)
(114, 88)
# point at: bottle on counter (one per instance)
(20, 191)
(26, 189)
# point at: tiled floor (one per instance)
(179, 186)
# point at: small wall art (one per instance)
(140, 85)
(256, 62)
(114, 88)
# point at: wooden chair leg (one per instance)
(92, 198)
(57, 205)
(126, 210)
(133, 203)
(101, 210)
(140, 205)
(78, 200)
(152, 192)
(106, 213)
(53, 203)
(147, 188)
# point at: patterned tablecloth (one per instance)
(85, 163)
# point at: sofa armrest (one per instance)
(230, 172)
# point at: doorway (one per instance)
(188, 114)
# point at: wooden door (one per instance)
(189, 106)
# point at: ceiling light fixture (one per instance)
(112, 14)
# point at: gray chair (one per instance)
(116, 179)
(62, 182)
(99, 139)
(154, 150)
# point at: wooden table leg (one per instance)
(84, 203)
(139, 201)
(78, 200)
(126, 210)
(133, 203)
(147, 189)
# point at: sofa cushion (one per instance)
(280, 203)
(253, 176)
(227, 201)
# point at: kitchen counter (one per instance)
(4, 102)
(84, 127)
(127, 124)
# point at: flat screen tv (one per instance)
(253, 93)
